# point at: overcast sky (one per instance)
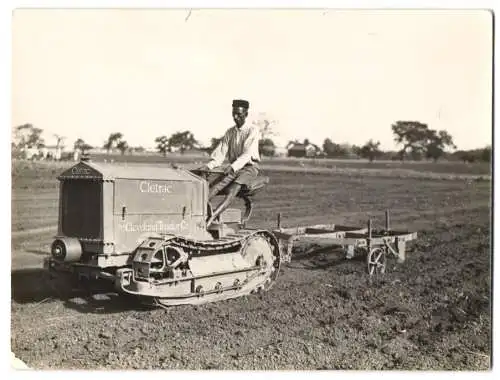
(346, 75)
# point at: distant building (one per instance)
(30, 153)
(51, 152)
(303, 150)
(48, 152)
(100, 151)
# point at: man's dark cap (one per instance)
(241, 103)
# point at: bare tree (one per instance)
(266, 125)
(59, 140)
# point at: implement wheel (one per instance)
(376, 261)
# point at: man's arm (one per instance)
(219, 154)
(250, 149)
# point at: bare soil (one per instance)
(432, 312)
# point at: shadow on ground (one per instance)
(39, 252)
(323, 257)
(35, 286)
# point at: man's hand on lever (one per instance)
(204, 171)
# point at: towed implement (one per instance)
(145, 229)
(375, 245)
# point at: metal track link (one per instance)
(234, 240)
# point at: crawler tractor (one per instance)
(144, 227)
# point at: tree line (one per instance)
(415, 140)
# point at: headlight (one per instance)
(66, 249)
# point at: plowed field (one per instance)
(431, 312)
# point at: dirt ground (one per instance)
(324, 312)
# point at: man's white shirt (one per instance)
(238, 146)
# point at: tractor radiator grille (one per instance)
(81, 208)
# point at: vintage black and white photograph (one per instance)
(252, 189)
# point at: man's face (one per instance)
(239, 115)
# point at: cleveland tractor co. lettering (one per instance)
(107, 230)
(159, 226)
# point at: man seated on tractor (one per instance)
(240, 146)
